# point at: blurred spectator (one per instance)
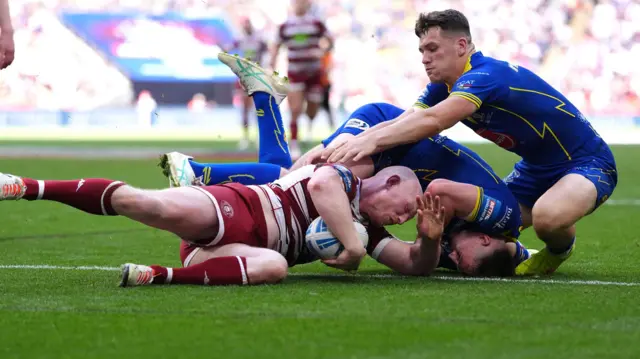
(146, 108)
(198, 103)
(585, 48)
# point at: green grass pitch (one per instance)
(589, 310)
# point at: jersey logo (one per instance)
(356, 123)
(226, 208)
(503, 140)
(462, 85)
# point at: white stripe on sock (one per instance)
(104, 210)
(169, 276)
(40, 189)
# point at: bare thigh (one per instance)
(184, 211)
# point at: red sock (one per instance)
(92, 195)
(214, 271)
(293, 126)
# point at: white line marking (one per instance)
(346, 275)
(623, 202)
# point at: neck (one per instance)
(463, 66)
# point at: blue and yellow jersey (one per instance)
(440, 157)
(519, 111)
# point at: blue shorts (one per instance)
(364, 118)
(529, 182)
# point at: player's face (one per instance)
(248, 29)
(469, 248)
(394, 205)
(440, 54)
(300, 7)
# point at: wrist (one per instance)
(6, 30)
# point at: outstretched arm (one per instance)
(416, 126)
(329, 190)
(421, 257)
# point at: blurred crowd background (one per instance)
(587, 49)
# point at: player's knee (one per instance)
(273, 268)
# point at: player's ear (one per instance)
(461, 46)
(393, 180)
(485, 240)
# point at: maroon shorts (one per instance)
(241, 220)
(308, 82)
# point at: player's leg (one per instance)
(182, 170)
(234, 263)
(296, 104)
(326, 105)
(554, 215)
(267, 91)
(183, 211)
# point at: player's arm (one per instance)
(7, 46)
(385, 124)
(419, 258)
(330, 188)
(275, 49)
(5, 17)
(424, 123)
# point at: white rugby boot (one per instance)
(136, 275)
(256, 79)
(176, 167)
(11, 187)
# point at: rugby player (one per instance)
(566, 170)
(301, 34)
(239, 234)
(253, 47)
(469, 189)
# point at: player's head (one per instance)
(478, 254)
(247, 27)
(389, 197)
(300, 7)
(445, 44)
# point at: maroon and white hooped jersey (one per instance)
(301, 35)
(294, 210)
(252, 47)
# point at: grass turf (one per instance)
(51, 313)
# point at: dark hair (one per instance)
(448, 20)
(500, 263)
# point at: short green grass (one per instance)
(317, 312)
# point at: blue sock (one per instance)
(564, 250)
(245, 173)
(273, 147)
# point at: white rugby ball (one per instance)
(321, 242)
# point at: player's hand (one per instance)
(7, 48)
(348, 260)
(312, 157)
(430, 219)
(353, 150)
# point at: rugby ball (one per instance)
(321, 242)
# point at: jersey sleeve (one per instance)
(478, 86)
(379, 237)
(431, 96)
(349, 180)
